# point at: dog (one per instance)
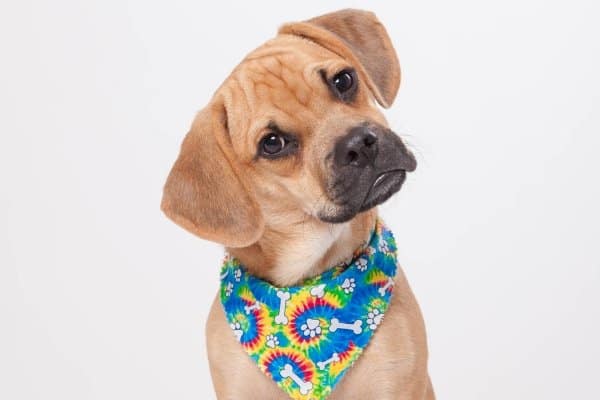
(285, 167)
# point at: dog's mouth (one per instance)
(385, 185)
(381, 188)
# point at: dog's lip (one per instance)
(382, 177)
(385, 184)
(389, 181)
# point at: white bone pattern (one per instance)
(335, 357)
(288, 372)
(318, 291)
(355, 326)
(255, 306)
(280, 318)
(389, 284)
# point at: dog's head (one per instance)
(294, 131)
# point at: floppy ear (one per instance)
(357, 36)
(203, 193)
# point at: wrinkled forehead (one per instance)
(280, 80)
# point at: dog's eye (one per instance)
(343, 81)
(273, 143)
(343, 85)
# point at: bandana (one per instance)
(306, 337)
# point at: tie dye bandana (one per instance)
(306, 337)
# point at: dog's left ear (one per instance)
(360, 38)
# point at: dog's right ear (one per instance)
(359, 36)
(204, 193)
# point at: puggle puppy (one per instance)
(284, 167)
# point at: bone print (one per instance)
(335, 357)
(288, 372)
(255, 306)
(389, 284)
(355, 326)
(280, 318)
(318, 291)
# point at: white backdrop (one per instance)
(101, 297)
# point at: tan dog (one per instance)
(284, 167)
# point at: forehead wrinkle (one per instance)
(237, 87)
(276, 83)
(247, 88)
(239, 108)
(272, 64)
(283, 83)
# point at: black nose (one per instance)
(357, 148)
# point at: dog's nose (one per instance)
(357, 148)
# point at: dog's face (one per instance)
(294, 131)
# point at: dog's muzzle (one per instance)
(369, 164)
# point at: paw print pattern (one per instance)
(311, 327)
(374, 318)
(272, 341)
(361, 264)
(228, 289)
(384, 247)
(237, 330)
(237, 274)
(370, 250)
(348, 285)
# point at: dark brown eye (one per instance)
(273, 144)
(343, 85)
(343, 81)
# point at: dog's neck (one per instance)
(290, 252)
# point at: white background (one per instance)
(101, 297)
